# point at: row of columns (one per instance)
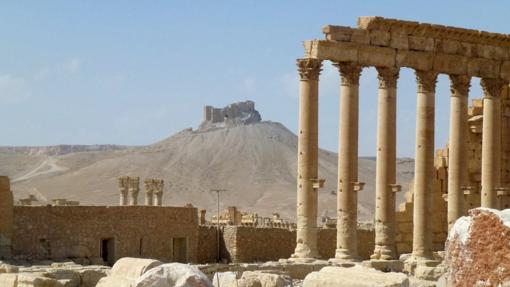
(386, 185)
(129, 188)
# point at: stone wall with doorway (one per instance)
(56, 232)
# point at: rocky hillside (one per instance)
(255, 162)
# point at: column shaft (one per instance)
(148, 198)
(457, 154)
(386, 165)
(306, 235)
(491, 141)
(347, 197)
(424, 163)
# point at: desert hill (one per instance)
(255, 161)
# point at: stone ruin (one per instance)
(240, 113)
(233, 216)
(129, 188)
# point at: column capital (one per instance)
(309, 69)
(349, 73)
(387, 77)
(492, 87)
(426, 81)
(459, 85)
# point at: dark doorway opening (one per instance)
(108, 251)
(180, 249)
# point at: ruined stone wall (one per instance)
(6, 217)
(252, 244)
(207, 244)
(77, 231)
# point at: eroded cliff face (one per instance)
(477, 249)
(240, 113)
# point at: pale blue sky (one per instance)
(134, 72)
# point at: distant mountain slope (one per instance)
(255, 162)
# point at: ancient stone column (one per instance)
(307, 201)
(6, 218)
(134, 189)
(491, 141)
(347, 197)
(123, 188)
(158, 192)
(149, 191)
(424, 164)
(386, 165)
(457, 159)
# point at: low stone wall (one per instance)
(55, 232)
(251, 244)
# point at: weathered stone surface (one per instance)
(262, 279)
(31, 280)
(8, 279)
(477, 250)
(356, 276)
(415, 59)
(126, 271)
(224, 279)
(173, 275)
(8, 268)
(376, 56)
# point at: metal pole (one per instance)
(218, 222)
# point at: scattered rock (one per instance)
(262, 279)
(224, 279)
(7, 268)
(355, 276)
(173, 275)
(126, 271)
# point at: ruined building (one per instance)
(388, 45)
(231, 115)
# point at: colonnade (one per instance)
(129, 188)
(386, 185)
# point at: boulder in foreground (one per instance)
(478, 249)
(173, 275)
(355, 276)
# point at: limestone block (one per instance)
(484, 68)
(421, 43)
(360, 37)
(505, 70)
(173, 275)
(405, 227)
(337, 33)
(355, 276)
(491, 52)
(262, 279)
(31, 280)
(446, 46)
(114, 281)
(334, 51)
(224, 279)
(90, 277)
(467, 49)
(399, 41)
(7, 268)
(431, 273)
(8, 280)
(72, 277)
(132, 268)
(380, 38)
(299, 271)
(450, 64)
(376, 56)
(415, 59)
(477, 248)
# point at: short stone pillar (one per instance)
(134, 189)
(202, 216)
(159, 186)
(123, 189)
(149, 191)
(6, 218)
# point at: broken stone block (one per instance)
(355, 276)
(173, 275)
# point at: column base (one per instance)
(298, 260)
(385, 265)
(383, 252)
(345, 255)
(413, 261)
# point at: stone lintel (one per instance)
(377, 56)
